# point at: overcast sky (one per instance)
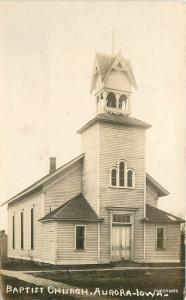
(47, 51)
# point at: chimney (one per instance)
(52, 164)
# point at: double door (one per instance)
(121, 242)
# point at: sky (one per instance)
(47, 51)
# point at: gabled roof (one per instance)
(156, 215)
(105, 64)
(49, 178)
(117, 119)
(38, 185)
(75, 209)
(158, 187)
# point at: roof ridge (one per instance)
(49, 176)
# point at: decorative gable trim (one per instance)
(126, 68)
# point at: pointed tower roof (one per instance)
(103, 65)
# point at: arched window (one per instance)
(111, 100)
(113, 177)
(121, 176)
(121, 173)
(130, 178)
(122, 100)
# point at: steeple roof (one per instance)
(116, 119)
(105, 63)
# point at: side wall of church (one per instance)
(24, 206)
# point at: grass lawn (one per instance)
(171, 280)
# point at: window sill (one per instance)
(122, 187)
(79, 250)
(161, 250)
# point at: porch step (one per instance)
(125, 263)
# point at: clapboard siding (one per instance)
(37, 203)
(172, 252)
(122, 142)
(151, 196)
(65, 188)
(90, 166)
(49, 242)
(66, 253)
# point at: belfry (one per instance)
(112, 81)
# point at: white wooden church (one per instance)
(102, 206)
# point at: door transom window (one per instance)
(121, 218)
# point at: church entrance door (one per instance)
(121, 242)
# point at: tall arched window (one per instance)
(122, 101)
(111, 100)
(121, 173)
(113, 177)
(130, 178)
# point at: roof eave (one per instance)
(26, 195)
(158, 187)
(96, 119)
(71, 219)
(161, 222)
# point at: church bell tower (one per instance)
(112, 80)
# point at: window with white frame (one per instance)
(122, 176)
(121, 173)
(130, 178)
(160, 237)
(114, 177)
(80, 237)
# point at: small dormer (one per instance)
(112, 81)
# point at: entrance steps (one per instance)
(125, 263)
